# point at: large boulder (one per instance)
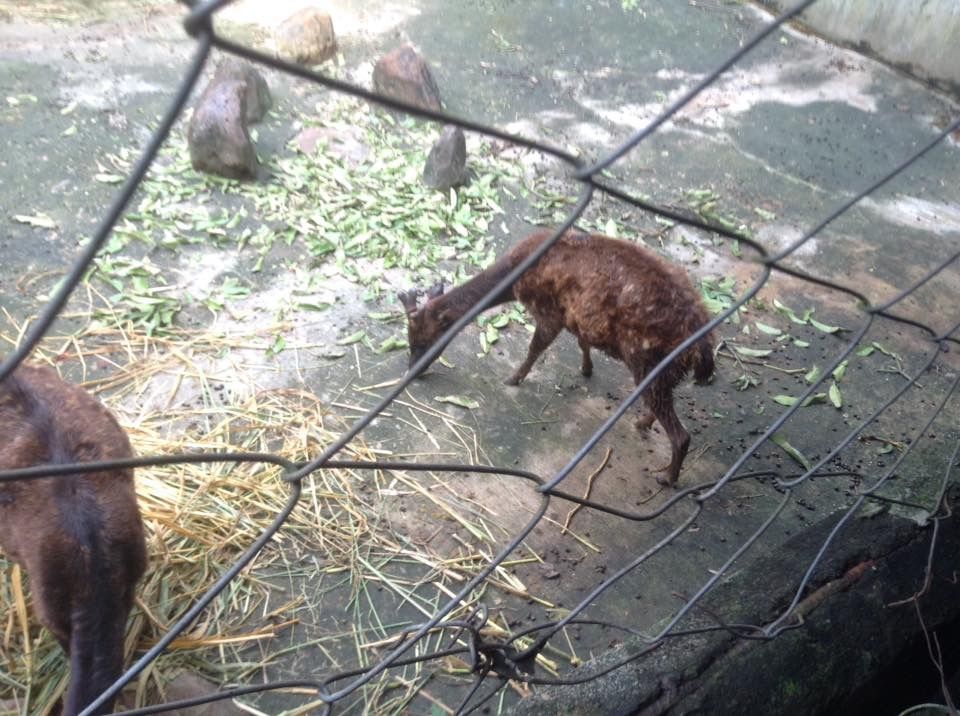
(306, 37)
(446, 164)
(256, 92)
(217, 137)
(404, 75)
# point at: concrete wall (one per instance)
(920, 36)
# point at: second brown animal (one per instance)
(80, 537)
(611, 294)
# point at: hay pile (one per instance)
(169, 394)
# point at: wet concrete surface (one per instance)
(794, 130)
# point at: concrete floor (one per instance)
(782, 139)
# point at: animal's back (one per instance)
(611, 292)
(45, 420)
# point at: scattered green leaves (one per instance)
(806, 319)
(718, 293)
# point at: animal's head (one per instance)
(426, 323)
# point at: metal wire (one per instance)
(505, 660)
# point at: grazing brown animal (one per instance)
(613, 295)
(79, 537)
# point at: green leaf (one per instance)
(279, 343)
(501, 320)
(789, 400)
(752, 352)
(391, 344)
(352, 338)
(788, 312)
(769, 330)
(461, 400)
(800, 344)
(41, 221)
(781, 441)
(839, 371)
(865, 351)
(885, 351)
(107, 178)
(310, 306)
(823, 326)
(812, 375)
(835, 396)
(764, 214)
(785, 400)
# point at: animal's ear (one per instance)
(436, 290)
(409, 300)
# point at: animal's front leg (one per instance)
(542, 338)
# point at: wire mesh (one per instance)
(494, 662)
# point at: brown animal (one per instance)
(611, 294)
(79, 537)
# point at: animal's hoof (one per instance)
(670, 479)
(586, 372)
(512, 380)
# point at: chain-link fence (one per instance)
(494, 662)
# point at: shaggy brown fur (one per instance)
(611, 294)
(80, 538)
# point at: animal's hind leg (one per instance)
(645, 420)
(586, 365)
(542, 338)
(661, 404)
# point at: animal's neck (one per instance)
(460, 299)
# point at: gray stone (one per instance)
(446, 164)
(257, 98)
(307, 37)
(403, 74)
(218, 138)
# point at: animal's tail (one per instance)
(97, 621)
(703, 361)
